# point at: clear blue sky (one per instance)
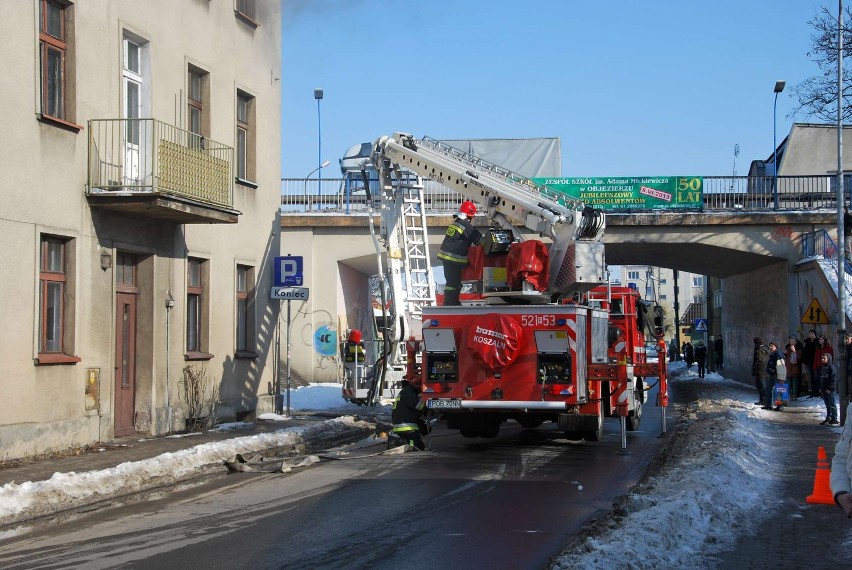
(651, 87)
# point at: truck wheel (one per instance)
(471, 433)
(634, 417)
(530, 423)
(597, 433)
(490, 429)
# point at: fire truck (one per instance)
(542, 338)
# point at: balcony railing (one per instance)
(153, 157)
(720, 193)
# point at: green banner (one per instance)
(631, 193)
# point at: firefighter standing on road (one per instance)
(407, 414)
(453, 254)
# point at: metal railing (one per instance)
(720, 193)
(818, 242)
(150, 156)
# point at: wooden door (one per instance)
(125, 363)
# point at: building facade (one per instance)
(139, 218)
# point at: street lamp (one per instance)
(308, 177)
(779, 87)
(318, 97)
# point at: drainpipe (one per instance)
(170, 302)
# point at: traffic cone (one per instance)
(822, 489)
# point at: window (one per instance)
(196, 309)
(633, 275)
(717, 299)
(662, 281)
(245, 311)
(663, 297)
(197, 112)
(698, 282)
(244, 10)
(698, 300)
(55, 291)
(55, 61)
(245, 167)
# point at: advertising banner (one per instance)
(631, 193)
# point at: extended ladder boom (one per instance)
(511, 201)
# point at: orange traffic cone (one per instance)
(822, 489)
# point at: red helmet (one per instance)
(468, 208)
(355, 336)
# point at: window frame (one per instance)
(245, 157)
(197, 300)
(246, 12)
(63, 333)
(244, 293)
(64, 116)
(197, 105)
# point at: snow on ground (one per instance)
(28, 499)
(687, 509)
(693, 505)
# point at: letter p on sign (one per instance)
(288, 271)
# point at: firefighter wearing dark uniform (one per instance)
(453, 254)
(406, 414)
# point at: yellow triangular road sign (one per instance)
(815, 315)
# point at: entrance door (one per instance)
(125, 362)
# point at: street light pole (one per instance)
(322, 165)
(318, 96)
(779, 87)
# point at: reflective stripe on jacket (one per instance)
(459, 237)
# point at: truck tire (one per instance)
(597, 433)
(634, 417)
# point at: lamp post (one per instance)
(318, 97)
(779, 87)
(308, 177)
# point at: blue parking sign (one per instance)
(288, 271)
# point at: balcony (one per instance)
(144, 167)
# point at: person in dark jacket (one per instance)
(701, 357)
(688, 354)
(793, 361)
(407, 414)
(776, 372)
(809, 380)
(453, 253)
(828, 386)
(821, 347)
(759, 359)
(718, 353)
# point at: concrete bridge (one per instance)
(757, 253)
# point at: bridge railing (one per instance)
(748, 193)
(818, 242)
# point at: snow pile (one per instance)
(19, 501)
(715, 477)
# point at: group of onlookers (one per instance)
(697, 354)
(802, 369)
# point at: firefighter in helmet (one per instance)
(453, 254)
(407, 414)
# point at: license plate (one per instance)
(447, 404)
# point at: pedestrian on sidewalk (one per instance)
(673, 354)
(793, 363)
(841, 469)
(759, 359)
(822, 347)
(688, 354)
(776, 370)
(718, 347)
(700, 357)
(808, 351)
(828, 386)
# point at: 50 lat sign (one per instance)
(631, 193)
